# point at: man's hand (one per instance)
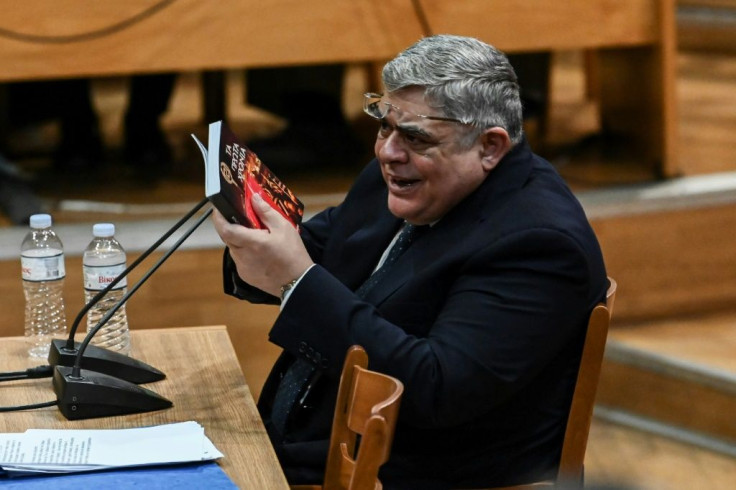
(266, 259)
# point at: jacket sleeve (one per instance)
(233, 285)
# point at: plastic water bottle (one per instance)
(43, 272)
(103, 260)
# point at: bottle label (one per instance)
(97, 277)
(42, 268)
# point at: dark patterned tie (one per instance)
(295, 379)
(301, 372)
(406, 237)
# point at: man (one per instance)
(482, 317)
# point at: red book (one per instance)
(233, 173)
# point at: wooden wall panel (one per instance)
(60, 38)
(671, 263)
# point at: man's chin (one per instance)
(402, 209)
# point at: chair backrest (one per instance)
(583, 400)
(367, 405)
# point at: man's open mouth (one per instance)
(403, 183)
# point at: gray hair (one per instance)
(468, 79)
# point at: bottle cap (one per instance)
(103, 230)
(40, 221)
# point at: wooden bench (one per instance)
(633, 42)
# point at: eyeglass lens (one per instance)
(373, 107)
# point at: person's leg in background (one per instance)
(145, 145)
(80, 147)
(533, 72)
(67, 101)
(317, 134)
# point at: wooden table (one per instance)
(203, 381)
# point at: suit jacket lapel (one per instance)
(361, 250)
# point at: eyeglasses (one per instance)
(377, 108)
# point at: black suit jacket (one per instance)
(482, 319)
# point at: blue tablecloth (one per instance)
(190, 476)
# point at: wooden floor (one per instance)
(617, 456)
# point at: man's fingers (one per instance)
(232, 234)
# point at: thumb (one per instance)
(264, 211)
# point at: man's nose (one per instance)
(391, 149)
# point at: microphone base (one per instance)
(93, 395)
(104, 361)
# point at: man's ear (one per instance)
(495, 144)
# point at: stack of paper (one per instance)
(68, 451)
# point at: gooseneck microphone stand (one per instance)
(64, 353)
(87, 393)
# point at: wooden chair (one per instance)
(586, 386)
(367, 405)
(570, 473)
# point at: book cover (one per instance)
(233, 173)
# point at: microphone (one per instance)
(64, 353)
(87, 393)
